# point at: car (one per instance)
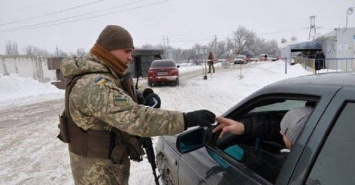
(241, 59)
(163, 72)
(263, 57)
(322, 154)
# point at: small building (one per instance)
(311, 47)
(337, 46)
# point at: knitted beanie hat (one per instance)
(115, 37)
(293, 122)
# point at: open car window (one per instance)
(260, 152)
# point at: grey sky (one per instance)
(184, 22)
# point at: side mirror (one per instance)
(191, 140)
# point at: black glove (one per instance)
(151, 99)
(203, 118)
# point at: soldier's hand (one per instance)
(203, 118)
(151, 99)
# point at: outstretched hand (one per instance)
(228, 125)
(203, 118)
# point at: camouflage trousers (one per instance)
(88, 171)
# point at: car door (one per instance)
(210, 166)
(214, 164)
(328, 157)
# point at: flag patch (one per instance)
(121, 101)
(100, 81)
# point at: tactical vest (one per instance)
(95, 143)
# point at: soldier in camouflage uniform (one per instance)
(97, 102)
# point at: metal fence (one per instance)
(327, 65)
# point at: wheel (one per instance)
(164, 170)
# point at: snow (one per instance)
(31, 153)
(16, 90)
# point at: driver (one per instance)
(291, 125)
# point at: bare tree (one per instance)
(283, 40)
(242, 38)
(293, 38)
(30, 50)
(218, 48)
(81, 52)
(258, 47)
(11, 48)
(272, 48)
(61, 53)
(147, 46)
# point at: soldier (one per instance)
(102, 118)
(211, 60)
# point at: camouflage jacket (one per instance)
(97, 101)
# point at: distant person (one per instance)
(309, 54)
(290, 127)
(102, 117)
(265, 57)
(320, 60)
(211, 60)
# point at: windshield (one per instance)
(163, 63)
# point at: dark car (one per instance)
(163, 72)
(322, 154)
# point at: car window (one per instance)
(163, 63)
(335, 162)
(261, 151)
(286, 105)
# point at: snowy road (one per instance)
(31, 153)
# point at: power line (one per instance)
(58, 20)
(45, 15)
(35, 26)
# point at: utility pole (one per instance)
(164, 41)
(167, 40)
(312, 26)
(348, 12)
(215, 42)
(56, 49)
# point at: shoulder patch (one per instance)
(121, 101)
(100, 80)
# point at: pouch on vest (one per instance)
(119, 154)
(135, 150)
(63, 128)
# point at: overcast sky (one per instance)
(70, 25)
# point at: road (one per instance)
(31, 153)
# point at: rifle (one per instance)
(148, 147)
(145, 141)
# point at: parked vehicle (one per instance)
(263, 57)
(163, 72)
(322, 154)
(241, 59)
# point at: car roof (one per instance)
(163, 60)
(310, 85)
(339, 79)
(163, 63)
